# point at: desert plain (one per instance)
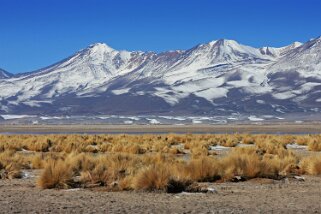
(161, 169)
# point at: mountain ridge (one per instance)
(5, 74)
(218, 77)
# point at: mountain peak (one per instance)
(223, 42)
(100, 47)
(296, 44)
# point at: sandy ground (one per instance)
(254, 196)
(232, 128)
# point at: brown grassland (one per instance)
(152, 162)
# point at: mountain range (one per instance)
(221, 77)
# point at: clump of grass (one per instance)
(273, 147)
(275, 167)
(311, 165)
(11, 171)
(200, 169)
(174, 151)
(37, 161)
(199, 151)
(37, 143)
(125, 183)
(230, 142)
(11, 165)
(302, 140)
(315, 145)
(152, 178)
(242, 162)
(248, 139)
(99, 175)
(56, 174)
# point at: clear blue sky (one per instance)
(37, 33)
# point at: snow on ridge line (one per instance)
(13, 116)
(153, 121)
(254, 118)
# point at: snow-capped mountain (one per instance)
(220, 77)
(4, 74)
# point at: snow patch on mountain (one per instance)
(120, 91)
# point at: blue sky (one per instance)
(37, 33)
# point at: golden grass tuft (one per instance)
(311, 165)
(302, 140)
(199, 151)
(56, 174)
(200, 169)
(248, 139)
(315, 145)
(151, 178)
(11, 171)
(37, 161)
(242, 162)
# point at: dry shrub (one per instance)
(199, 151)
(105, 147)
(315, 145)
(248, 139)
(99, 175)
(311, 165)
(10, 171)
(127, 148)
(157, 158)
(152, 178)
(273, 166)
(302, 140)
(37, 161)
(92, 170)
(91, 149)
(187, 145)
(242, 162)
(230, 142)
(123, 165)
(287, 139)
(200, 169)
(173, 150)
(102, 170)
(13, 162)
(155, 178)
(6, 157)
(56, 174)
(37, 143)
(80, 162)
(175, 139)
(125, 183)
(273, 147)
